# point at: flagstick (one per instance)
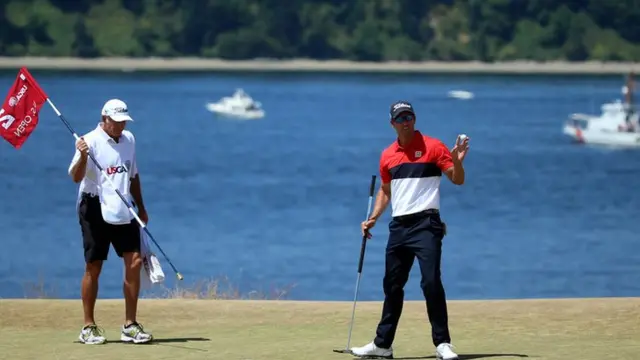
(133, 212)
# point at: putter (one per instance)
(346, 350)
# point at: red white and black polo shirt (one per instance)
(415, 172)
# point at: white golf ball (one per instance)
(462, 137)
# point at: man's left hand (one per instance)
(142, 214)
(460, 150)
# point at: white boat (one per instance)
(610, 128)
(461, 94)
(239, 106)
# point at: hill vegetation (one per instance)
(361, 30)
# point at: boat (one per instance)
(238, 106)
(610, 128)
(460, 94)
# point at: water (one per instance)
(278, 202)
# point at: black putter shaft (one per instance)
(363, 246)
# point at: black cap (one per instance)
(399, 107)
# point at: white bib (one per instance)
(118, 161)
(118, 171)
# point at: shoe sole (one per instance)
(372, 356)
(128, 339)
(441, 358)
(92, 343)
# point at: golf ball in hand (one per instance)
(462, 137)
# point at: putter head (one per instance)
(342, 351)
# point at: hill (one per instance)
(359, 30)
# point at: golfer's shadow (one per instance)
(466, 356)
(163, 341)
(174, 340)
(158, 341)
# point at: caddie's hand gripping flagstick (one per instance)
(19, 117)
(360, 264)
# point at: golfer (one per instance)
(410, 170)
(105, 219)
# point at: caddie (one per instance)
(106, 220)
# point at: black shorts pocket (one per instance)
(436, 224)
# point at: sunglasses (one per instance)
(404, 118)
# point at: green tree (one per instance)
(371, 30)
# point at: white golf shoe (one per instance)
(92, 335)
(371, 351)
(444, 352)
(134, 333)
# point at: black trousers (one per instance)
(414, 236)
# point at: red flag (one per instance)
(21, 108)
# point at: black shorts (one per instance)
(98, 234)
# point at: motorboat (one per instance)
(616, 126)
(238, 106)
(460, 94)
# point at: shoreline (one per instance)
(306, 65)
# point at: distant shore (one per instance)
(304, 65)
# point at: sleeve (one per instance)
(134, 163)
(444, 160)
(134, 166)
(91, 171)
(76, 158)
(385, 175)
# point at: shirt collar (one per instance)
(416, 134)
(104, 136)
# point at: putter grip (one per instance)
(373, 185)
(364, 238)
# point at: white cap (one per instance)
(117, 110)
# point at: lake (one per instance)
(276, 203)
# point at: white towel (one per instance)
(151, 272)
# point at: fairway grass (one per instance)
(585, 329)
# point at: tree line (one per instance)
(363, 30)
